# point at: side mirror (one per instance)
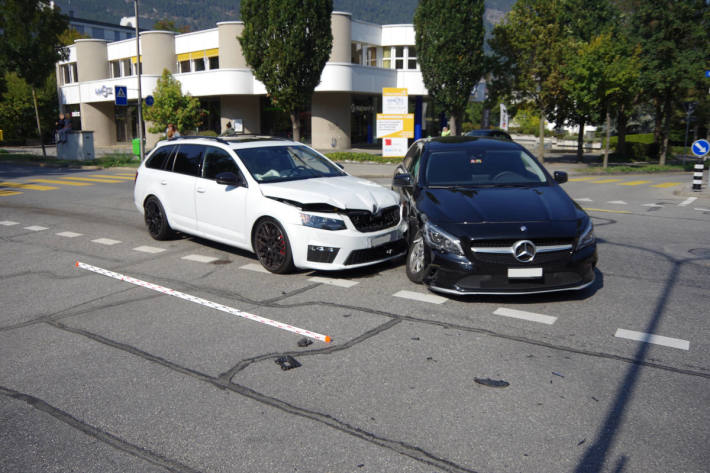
(402, 180)
(339, 165)
(560, 177)
(229, 179)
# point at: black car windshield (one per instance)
(286, 163)
(462, 167)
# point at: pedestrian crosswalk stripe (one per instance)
(4, 193)
(607, 181)
(64, 183)
(113, 176)
(667, 184)
(106, 181)
(588, 178)
(634, 183)
(22, 185)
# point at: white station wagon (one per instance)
(282, 200)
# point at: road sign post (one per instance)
(700, 148)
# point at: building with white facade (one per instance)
(365, 58)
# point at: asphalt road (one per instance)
(101, 375)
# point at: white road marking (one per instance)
(687, 201)
(653, 205)
(585, 199)
(655, 339)
(617, 202)
(205, 302)
(69, 234)
(418, 296)
(333, 281)
(529, 316)
(148, 249)
(36, 228)
(200, 258)
(8, 223)
(106, 241)
(255, 267)
(701, 209)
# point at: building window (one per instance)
(127, 67)
(399, 57)
(199, 64)
(115, 68)
(387, 58)
(185, 66)
(214, 62)
(356, 53)
(372, 56)
(97, 33)
(116, 35)
(411, 58)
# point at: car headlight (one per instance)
(323, 223)
(440, 240)
(587, 237)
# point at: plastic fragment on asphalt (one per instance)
(304, 342)
(492, 383)
(287, 362)
(558, 374)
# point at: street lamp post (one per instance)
(140, 92)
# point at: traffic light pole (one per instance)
(140, 92)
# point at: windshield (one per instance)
(474, 168)
(286, 163)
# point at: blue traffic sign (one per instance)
(149, 100)
(700, 148)
(121, 94)
(707, 73)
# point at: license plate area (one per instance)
(524, 273)
(386, 238)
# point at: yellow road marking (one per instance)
(5, 192)
(609, 211)
(21, 185)
(66, 183)
(588, 178)
(109, 181)
(114, 176)
(634, 183)
(125, 174)
(606, 181)
(667, 184)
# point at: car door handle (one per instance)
(201, 190)
(164, 183)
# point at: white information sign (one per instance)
(394, 101)
(394, 147)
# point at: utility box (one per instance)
(79, 146)
(136, 146)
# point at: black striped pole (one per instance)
(698, 176)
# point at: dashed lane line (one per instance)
(584, 199)
(22, 185)
(666, 185)
(617, 202)
(63, 183)
(633, 183)
(606, 181)
(106, 241)
(523, 315)
(701, 209)
(69, 234)
(687, 201)
(8, 223)
(254, 267)
(334, 282)
(148, 249)
(418, 296)
(653, 205)
(36, 228)
(651, 338)
(200, 258)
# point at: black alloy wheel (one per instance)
(272, 247)
(418, 259)
(155, 219)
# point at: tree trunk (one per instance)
(580, 142)
(39, 128)
(541, 148)
(621, 121)
(295, 126)
(665, 130)
(658, 121)
(453, 125)
(608, 137)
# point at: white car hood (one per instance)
(343, 192)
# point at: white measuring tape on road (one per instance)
(205, 302)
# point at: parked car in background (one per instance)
(486, 218)
(490, 133)
(277, 198)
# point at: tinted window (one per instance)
(159, 157)
(189, 160)
(217, 161)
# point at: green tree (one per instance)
(673, 36)
(31, 44)
(169, 25)
(449, 37)
(17, 114)
(287, 43)
(171, 106)
(528, 57)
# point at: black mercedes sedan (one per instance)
(485, 217)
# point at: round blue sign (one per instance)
(149, 100)
(700, 148)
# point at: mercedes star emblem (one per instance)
(524, 251)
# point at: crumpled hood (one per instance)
(343, 192)
(497, 204)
